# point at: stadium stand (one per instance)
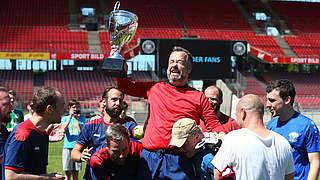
(303, 19)
(81, 85)
(307, 87)
(42, 39)
(300, 16)
(34, 13)
(223, 15)
(305, 45)
(21, 82)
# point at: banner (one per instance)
(93, 56)
(79, 56)
(21, 55)
(283, 60)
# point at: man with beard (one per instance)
(5, 110)
(214, 95)
(301, 132)
(169, 102)
(93, 133)
(26, 150)
(119, 156)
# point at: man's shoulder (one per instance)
(302, 119)
(95, 121)
(272, 123)
(23, 131)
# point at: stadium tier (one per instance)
(80, 85)
(266, 43)
(254, 86)
(151, 13)
(300, 16)
(305, 45)
(20, 81)
(307, 87)
(42, 39)
(34, 13)
(207, 14)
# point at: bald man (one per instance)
(254, 152)
(214, 95)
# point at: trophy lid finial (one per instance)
(116, 6)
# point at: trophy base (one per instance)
(114, 67)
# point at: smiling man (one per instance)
(169, 102)
(299, 130)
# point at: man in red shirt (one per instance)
(214, 94)
(169, 102)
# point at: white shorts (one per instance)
(67, 163)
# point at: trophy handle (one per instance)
(116, 6)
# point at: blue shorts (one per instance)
(163, 165)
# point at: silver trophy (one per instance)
(122, 27)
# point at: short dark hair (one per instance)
(73, 102)
(285, 88)
(43, 97)
(117, 132)
(106, 92)
(189, 55)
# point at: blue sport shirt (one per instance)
(71, 134)
(26, 150)
(303, 136)
(93, 135)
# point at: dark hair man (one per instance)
(72, 125)
(254, 152)
(118, 158)
(26, 150)
(215, 96)
(299, 130)
(169, 102)
(92, 135)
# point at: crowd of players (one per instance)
(181, 137)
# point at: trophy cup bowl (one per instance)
(122, 27)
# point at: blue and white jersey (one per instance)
(303, 136)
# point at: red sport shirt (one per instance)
(168, 104)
